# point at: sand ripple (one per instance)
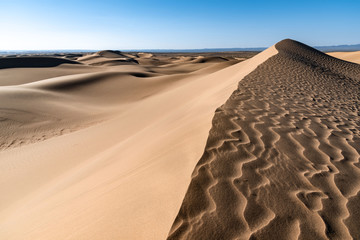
(282, 157)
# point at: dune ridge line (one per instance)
(282, 157)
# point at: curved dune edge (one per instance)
(282, 157)
(123, 178)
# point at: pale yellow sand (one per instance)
(347, 56)
(105, 152)
(282, 157)
(113, 145)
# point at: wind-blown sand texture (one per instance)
(105, 151)
(106, 145)
(282, 157)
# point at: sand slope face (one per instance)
(105, 152)
(107, 58)
(347, 56)
(282, 157)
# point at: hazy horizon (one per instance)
(85, 25)
(342, 47)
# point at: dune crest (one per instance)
(107, 58)
(106, 152)
(282, 157)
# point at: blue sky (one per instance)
(174, 24)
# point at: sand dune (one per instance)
(107, 58)
(202, 59)
(111, 54)
(347, 56)
(105, 152)
(113, 147)
(282, 157)
(144, 55)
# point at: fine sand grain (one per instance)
(110, 145)
(282, 157)
(347, 56)
(105, 151)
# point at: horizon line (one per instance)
(165, 49)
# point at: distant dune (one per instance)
(110, 54)
(209, 59)
(114, 145)
(107, 58)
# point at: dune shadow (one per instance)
(31, 62)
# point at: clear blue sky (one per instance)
(174, 24)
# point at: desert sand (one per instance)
(282, 157)
(98, 150)
(110, 145)
(347, 56)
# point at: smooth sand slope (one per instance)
(282, 157)
(347, 56)
(105, 151)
